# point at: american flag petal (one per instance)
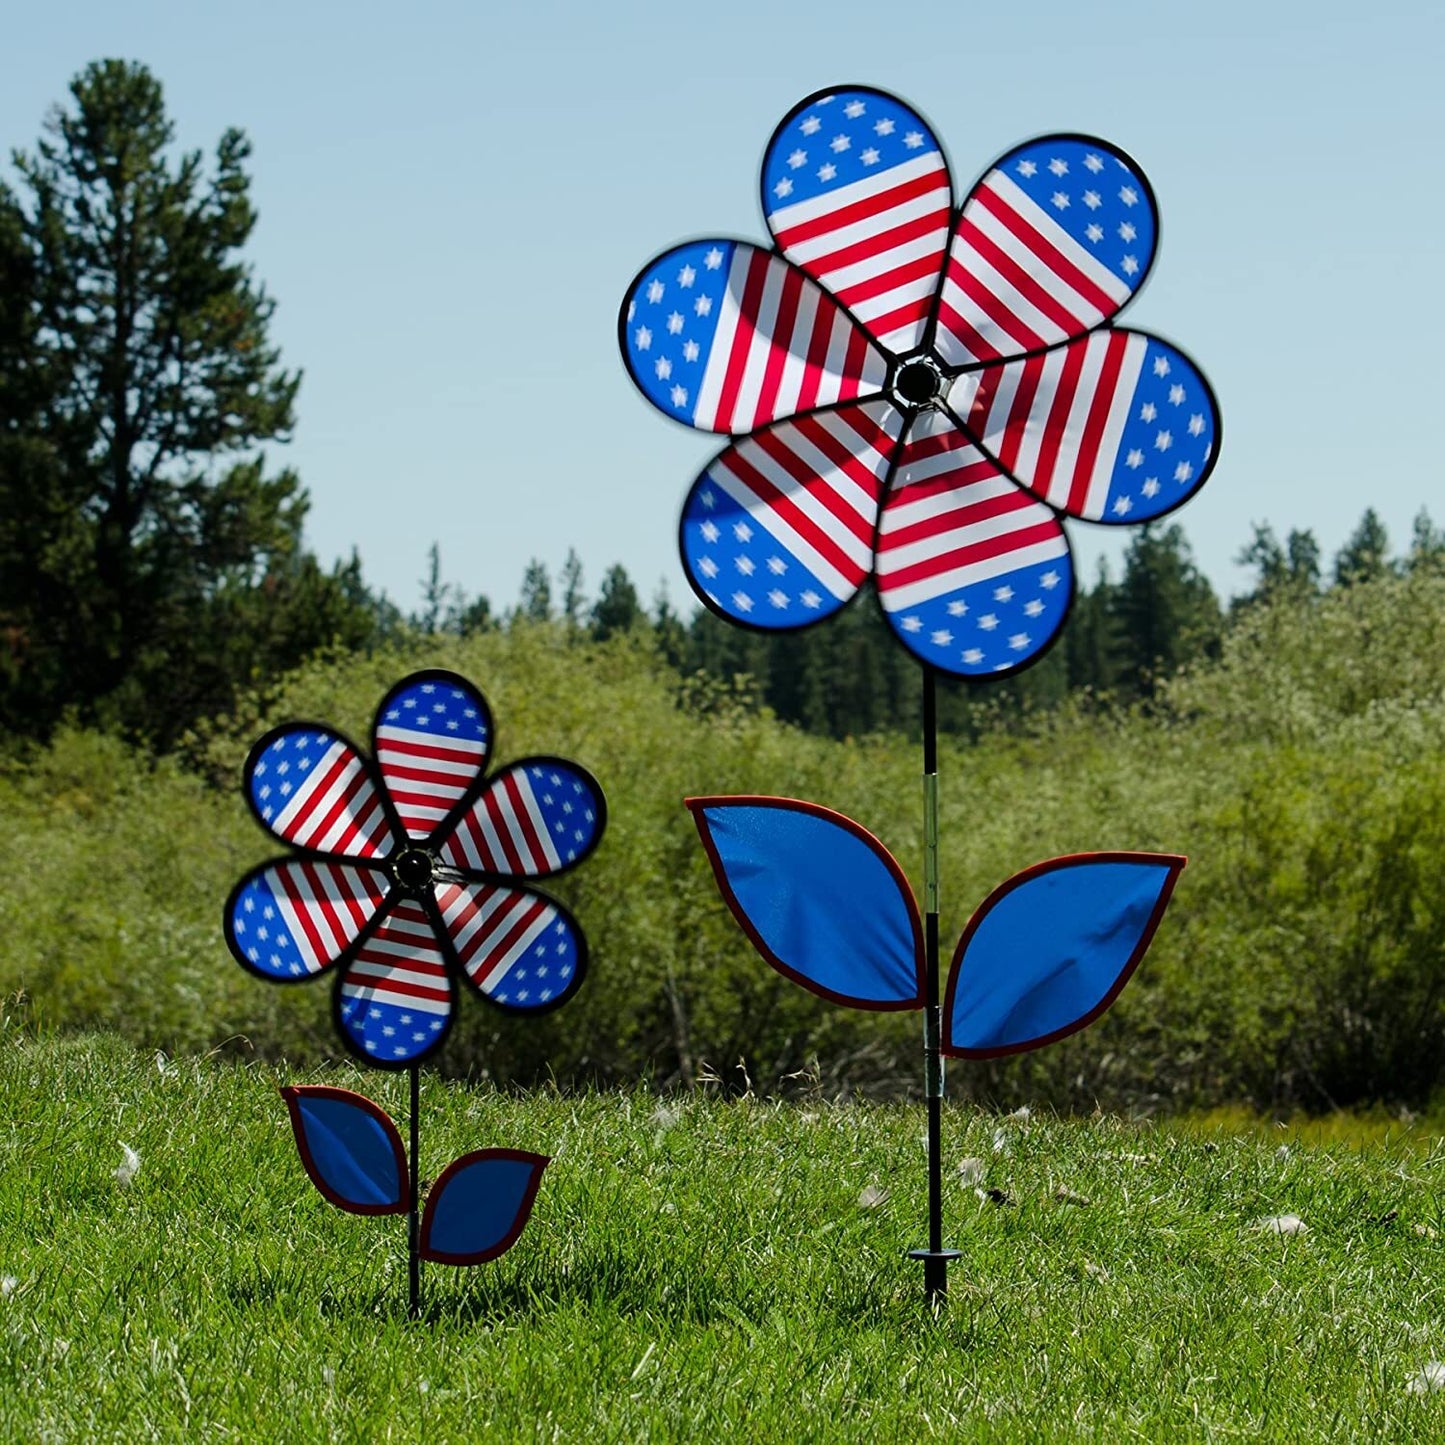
(778, 531)
(973, 574)
(431, 736)
(1052, 242)
(726, 336)
(396, 998)
(287, 921)
(537, 817)
(312, 788)
(856, 191)
(1116, 427)
(519, 948)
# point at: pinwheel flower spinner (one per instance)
(917, 391)
(409, 870)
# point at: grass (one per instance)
(702, 1270)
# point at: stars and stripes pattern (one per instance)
(973, 574)
(1051, 243)
(727, 337)
(1116, 427)
(401, 938)
(534, 818)
(431, 746)
(856, 191)
(778, 531)
(396, 996)
(312, 788)
(516, 946)
(291, 920)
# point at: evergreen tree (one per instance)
(572, 596)
(617, 608)
(138, 529)
(536, 603)
(1366, 554)
(1166, 611)
(1427, 545)
(1291, 570)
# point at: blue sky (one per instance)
(453, 198)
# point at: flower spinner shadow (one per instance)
(916, 391)
(921, 393)
(409, 883)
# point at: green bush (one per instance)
(1302, 960)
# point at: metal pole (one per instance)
(414, 1214)
(935, 1258)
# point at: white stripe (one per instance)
(1066, 454)
(375, 988)
(503, 966)
(880, 264)
(828, 575)
(1048, 280)
(905, 510)
(1027, 461)
(709, 394)
(764, 326)
(515, 831)
(1119, 409)
(831, 386)
(959, 534)
(300, 798)
(928, 588)
(790, 383)
(551, 857)
(1049, 229)
(1028, 325)
(830, 202)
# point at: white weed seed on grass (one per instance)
(1000, 1141)
(8, 1285)
(1428, 1379)
(1021, 1115)
(1283, 1224)
(128, 1167)
(971, 1171)
(872, 1197)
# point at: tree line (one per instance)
(152, 565)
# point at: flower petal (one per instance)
(431, 736)
(310, 787)
(1053, 241)
(1116, 427)
(480, 1205)
(395, 1001)
(519, 948)
(350, 1148)
(974, 576)
(778, 531)
(856, 191)
(288, 921)
(535, 818)
(726, 336)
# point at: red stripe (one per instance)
(962, 514)
(952, 322)
(341, 808)
(877, 243)
(947, 560)
(837, 452)
(1099, 405)
(1087, 290)
(1016, 427)
(457, 752)
(395, 985)
(935, 180)
(535, 844)
(778, 353)
(511, 857)
(742, 337)
(301, 823)
(853, 363)
(320, 948)
(813, 368)
(516, 927)
(1059, 406)
(993, 306)
(1022, 281)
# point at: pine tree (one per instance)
(617, 608)
(138, 529)
(1366, 554)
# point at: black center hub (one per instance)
(918, 382)
(413, 869)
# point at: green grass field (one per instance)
(702, 1270)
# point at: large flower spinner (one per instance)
(409, 872)
(916, 390)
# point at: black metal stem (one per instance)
(414, 1212)
(935, 1258)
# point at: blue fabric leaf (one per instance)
(1048, 951)
(821, 898)
(480, 1205)
(350, 1148)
